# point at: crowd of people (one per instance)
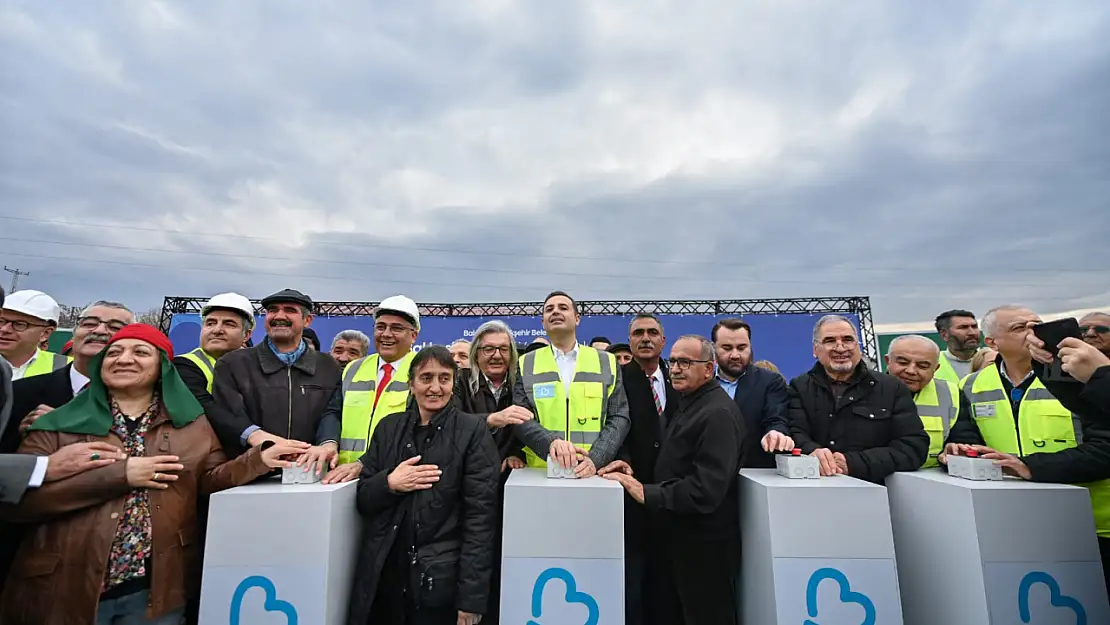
(108, 454)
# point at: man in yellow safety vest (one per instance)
(227, 321)
(373, 388)
(914, 360)
(960, 330)
(575, 392)
(27, 319)
(1023, 426)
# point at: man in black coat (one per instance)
(486, 390)
(652, 402)
(760, 394)
(692, 504)
(277, 390)
(856, 421)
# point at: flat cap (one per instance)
(288, 296)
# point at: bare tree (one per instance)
(69, 315)
(151, 317)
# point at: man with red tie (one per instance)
(651, 402)
(373, 388)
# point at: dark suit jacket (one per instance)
(15, 469)
(641, 446)
(51, 389)
(764, 403)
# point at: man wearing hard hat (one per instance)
(373, 387)
(27, 319)
(227, 321)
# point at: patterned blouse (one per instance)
(133, 543)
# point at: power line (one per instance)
(470, 252)
(15, 277)
(683, 279)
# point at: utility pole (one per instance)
(15, 277)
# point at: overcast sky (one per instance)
(929, 155)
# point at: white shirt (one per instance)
(38, 476)
(381, 369)
(566, 363)
(77, 380)
(18, 372)
(660, 387)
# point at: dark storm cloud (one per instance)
(931, 157)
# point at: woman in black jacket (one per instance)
(428, 494)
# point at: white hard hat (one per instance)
(231, 301)
(401, 305)
(34, 303)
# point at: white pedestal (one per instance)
(563, 550)
(816, 551)
(281, 554)
(983, 551)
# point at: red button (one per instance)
(796, 452)
(971, 453)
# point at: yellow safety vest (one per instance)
(205, 363)
(938, 405)
(1044, 425)
(360, 415)
(947, 372)
(46, 362)
(585, 403)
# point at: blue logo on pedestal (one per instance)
(1055, 597)
(572, 596)
(847, 595)
(272, 604)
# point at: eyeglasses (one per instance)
(845, 340)
(1097, 329)
(489, 350)
(21, 326)
(395, 328)
(92, 323)
(684, 363)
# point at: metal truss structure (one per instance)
(859, 306)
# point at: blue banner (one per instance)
(786, 340)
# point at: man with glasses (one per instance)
(27, 320)
(486, 389)
(373, 388)
(37, 395)
(1096, 331)
(856, 421)
(692, 500)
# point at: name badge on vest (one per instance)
(545, 391)
(983, 411)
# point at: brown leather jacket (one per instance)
(57, 573)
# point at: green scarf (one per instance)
(90, 413)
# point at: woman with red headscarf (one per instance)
(117, 545)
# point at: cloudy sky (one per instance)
(929, 155)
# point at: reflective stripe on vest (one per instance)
(1043, 423)
(46, 362)
(947, 372)
(205, 363)
(938, 405)
(360, 415)
(587, 398)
